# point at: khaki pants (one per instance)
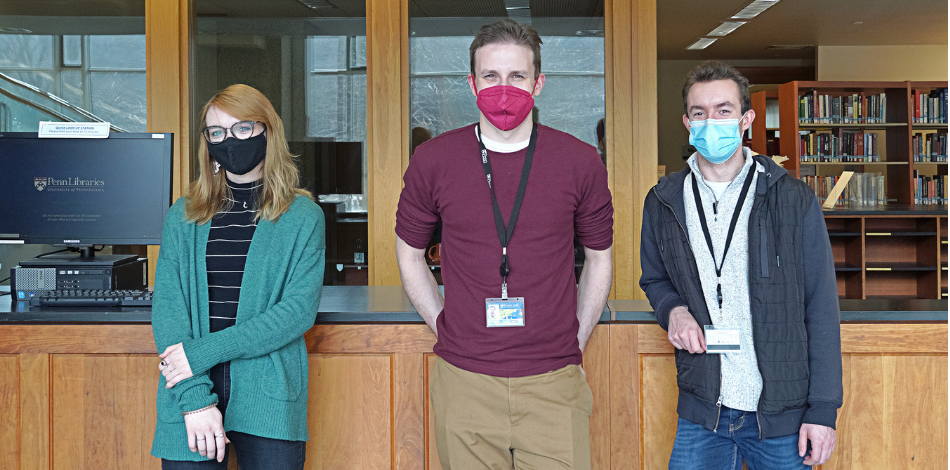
(522, 423)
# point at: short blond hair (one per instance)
(210, 194)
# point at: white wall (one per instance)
(882, 63)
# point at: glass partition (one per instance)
(85, 62)
(309, 59)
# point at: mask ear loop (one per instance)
(471, 82)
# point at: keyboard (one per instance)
(92, 298)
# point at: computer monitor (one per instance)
(328, 167)
(84, 192)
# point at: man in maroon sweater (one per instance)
(508, 390)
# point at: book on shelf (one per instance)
(841, 146)
(930, 190)
(929, 147)
(930, 107)
(864, 189)
(856, 108)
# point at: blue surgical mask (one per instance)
(715, 139)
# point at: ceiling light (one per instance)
(753, 9)
(315, 4)
(701, 44)
(725, 28)
(789, 47)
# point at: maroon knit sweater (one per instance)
(566, 195)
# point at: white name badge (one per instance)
(722, 341)
(504, 312)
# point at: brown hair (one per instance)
(510, 32)
(713, 70)
(209, 193)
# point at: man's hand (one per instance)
(822, 443)
(174, 365)
(206, 433)
(684, 332)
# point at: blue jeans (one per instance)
(736, 439)
(253, 452)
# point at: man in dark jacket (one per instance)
(738, 268)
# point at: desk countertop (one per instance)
(389, 304)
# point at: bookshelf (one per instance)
(764, 138)
(895, 253)
(888, 133)
(893, 250)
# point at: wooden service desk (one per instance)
(77, 388)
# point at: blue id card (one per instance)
(504, 312)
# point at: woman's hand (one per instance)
(206, 433)
(174, 365)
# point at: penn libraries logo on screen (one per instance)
(68, 184)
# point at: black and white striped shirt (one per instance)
(228, 242)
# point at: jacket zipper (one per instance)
(719, 400)
(752, 331)
(758, 423)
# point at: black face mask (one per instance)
(239, 156)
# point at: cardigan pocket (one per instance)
(168, 411)
(284, 372)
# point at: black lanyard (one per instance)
(732, 227)
(505, 233)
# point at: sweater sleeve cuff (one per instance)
(197, 396)
(208, 351)
(822, 413)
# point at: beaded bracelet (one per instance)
(186, 413)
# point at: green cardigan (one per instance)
(280, 294)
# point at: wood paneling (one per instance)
(658, 419)
(34, 423)
(387, 129)
(103, 411)
(10, 411)
(625, 410)
(630, 51)
(597, 369)
(895, 413)
(168, 79)
(915, 411)
(432, 454)
(894, 338)
(370, 339)
(77, 339)
(349, 411)
(409, 410)
(91, 405)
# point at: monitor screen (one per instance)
(82, 192)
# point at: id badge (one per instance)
(504, 312)
(721, 340)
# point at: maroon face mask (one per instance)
(505, 107)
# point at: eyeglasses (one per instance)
(241, 130)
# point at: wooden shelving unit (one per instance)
(898, 250)
(894, 134)
(763, 137)
(889, 255)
